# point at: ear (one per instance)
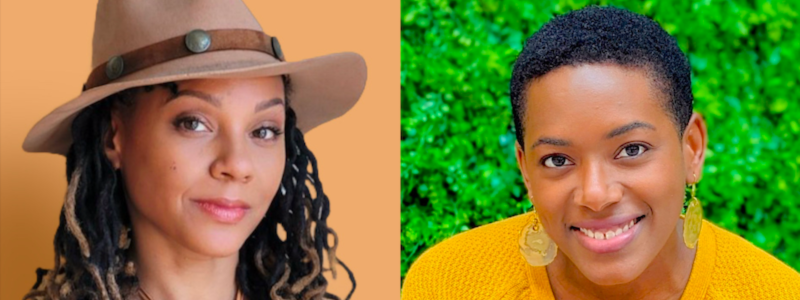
(112, 143)
(695, 141)
(523, 168)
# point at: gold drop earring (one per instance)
(535, 245)
(692, 220)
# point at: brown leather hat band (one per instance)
(194, 42)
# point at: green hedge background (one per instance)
(458, 169)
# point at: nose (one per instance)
(597, 190)
(233, 161)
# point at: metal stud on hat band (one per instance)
(197, 41)
(114, 67)
(276, 48)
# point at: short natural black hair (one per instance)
(597, 34)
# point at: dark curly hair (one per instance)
(597, 34)
(92, 242)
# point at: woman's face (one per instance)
(201, 168)
(600, 153)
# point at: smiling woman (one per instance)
(189, 176)
(607, 143)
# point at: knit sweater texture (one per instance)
(485, 263)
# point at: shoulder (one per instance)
(743, 270)
(475, 264)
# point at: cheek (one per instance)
(159, 170)
(269, 167)
(659, 185)
(549, 196)
(550, 201)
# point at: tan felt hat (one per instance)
(145, 42)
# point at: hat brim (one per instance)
(323, 88)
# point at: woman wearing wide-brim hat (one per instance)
(189, 177)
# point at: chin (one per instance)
(607, 274)
(608, 278)
(217, 243)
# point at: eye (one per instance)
(556, 161)
(632, 150)
(266, 133)
(191, 123)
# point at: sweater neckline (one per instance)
(696, 287)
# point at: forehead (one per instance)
(231, 86)
(578, 99)
(221, 92)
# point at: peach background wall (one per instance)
(45, 52)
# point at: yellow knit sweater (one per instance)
(485, 263)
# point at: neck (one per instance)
(665, 278)
(167, 270)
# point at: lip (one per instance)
(223, 210)
(614, 244)
(606, 223)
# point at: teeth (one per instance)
(609, 234)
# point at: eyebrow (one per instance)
(216, 101)
(550, 141)
(628, 127)
(613, 133)
(269, 103)
(197, 94)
